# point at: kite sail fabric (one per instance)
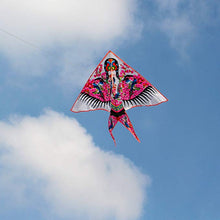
(115, 87)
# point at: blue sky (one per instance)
(55, 164)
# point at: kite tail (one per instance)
(112, 121)
(124, 119)
(112, 137)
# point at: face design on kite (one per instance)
(111, 65)
(111, 68)
(115, 87)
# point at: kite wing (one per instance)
(136, 91)
(95, 95)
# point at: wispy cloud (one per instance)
(181, 20)
(175, 21)
(54, 157)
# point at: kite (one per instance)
(116, 87)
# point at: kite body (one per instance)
(116, 87)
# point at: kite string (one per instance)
(20, 39)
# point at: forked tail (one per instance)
(124, 119)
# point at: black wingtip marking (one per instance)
(93, 102)
(143, 98)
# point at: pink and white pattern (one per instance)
(115, 87)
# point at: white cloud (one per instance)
(61, 28)
(53, 156)
(50, 21)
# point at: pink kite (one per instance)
(115, 87)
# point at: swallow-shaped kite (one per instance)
(115, 87)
